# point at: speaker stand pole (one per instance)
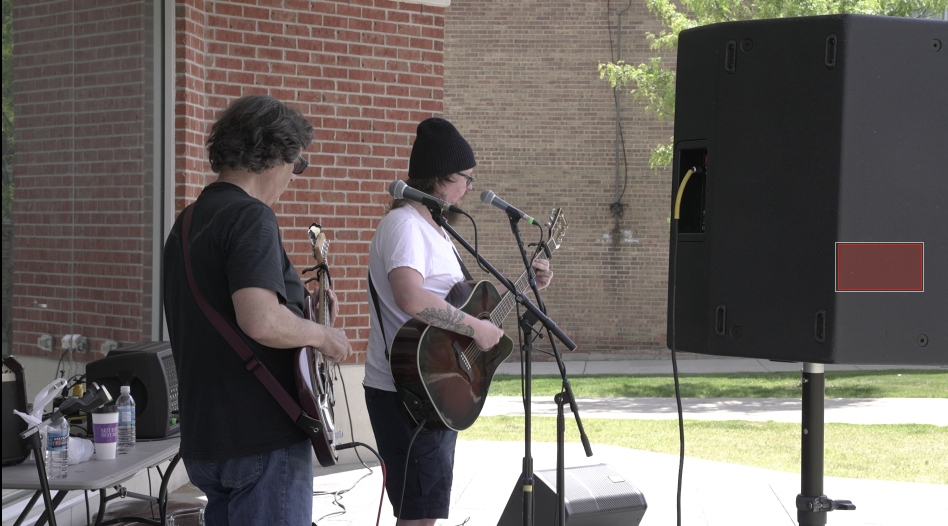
(812, 504)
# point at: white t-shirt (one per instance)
(403, 239)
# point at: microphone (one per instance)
(490, 198)
(400, 190)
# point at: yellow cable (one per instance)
(681, 190)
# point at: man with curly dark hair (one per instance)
(238, 445)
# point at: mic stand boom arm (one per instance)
(519, 296)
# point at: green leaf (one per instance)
(653, 85)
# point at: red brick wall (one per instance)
(364, 73)
(517, 78)
(79, 226)
(521, 83)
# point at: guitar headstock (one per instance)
(556, 228)
(320, 243)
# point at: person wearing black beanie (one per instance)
(413, 265)
(439, 150)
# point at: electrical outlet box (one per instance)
(45, 342)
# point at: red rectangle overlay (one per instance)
(880, 267)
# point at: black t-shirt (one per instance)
(235, 243)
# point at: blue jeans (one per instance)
(272, 488)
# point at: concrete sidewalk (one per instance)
(713, 494)
(685, 366)
(838, 410)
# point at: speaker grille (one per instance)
(595, 496)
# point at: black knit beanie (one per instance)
(439, 150)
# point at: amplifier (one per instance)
(595, 496)
(14, 397)
(148, 368)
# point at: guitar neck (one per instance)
(510, 299)
(323, 300)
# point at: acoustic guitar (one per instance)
(313, 379)
(443, 376)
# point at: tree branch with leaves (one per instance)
(652, 84)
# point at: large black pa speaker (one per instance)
(815, 226)
(148, 369)
(595, 496)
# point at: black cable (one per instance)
(381, 462)
(345, 395)
(476, 250)
(523, 373)
(617, 208)
(338, 494)
(674, 304)
(401, 500)
(60, 362)
(612, 50)
(88, 514)
(681, 429)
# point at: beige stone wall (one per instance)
(521, 83)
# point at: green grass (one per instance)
(904, 452)
(902, 383)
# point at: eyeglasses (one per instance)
(470, 180)
(300, 165)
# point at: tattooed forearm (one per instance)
(449, 318)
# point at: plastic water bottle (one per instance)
(126, 423)
(57, 449)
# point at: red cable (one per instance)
(379, 517)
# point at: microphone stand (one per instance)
(527, 328)
(562, 398)
(518, 296)
(38, 454)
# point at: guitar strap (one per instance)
(310, 425)
(378, 312)
(375, 297)
(467, 275)
(418, 408)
